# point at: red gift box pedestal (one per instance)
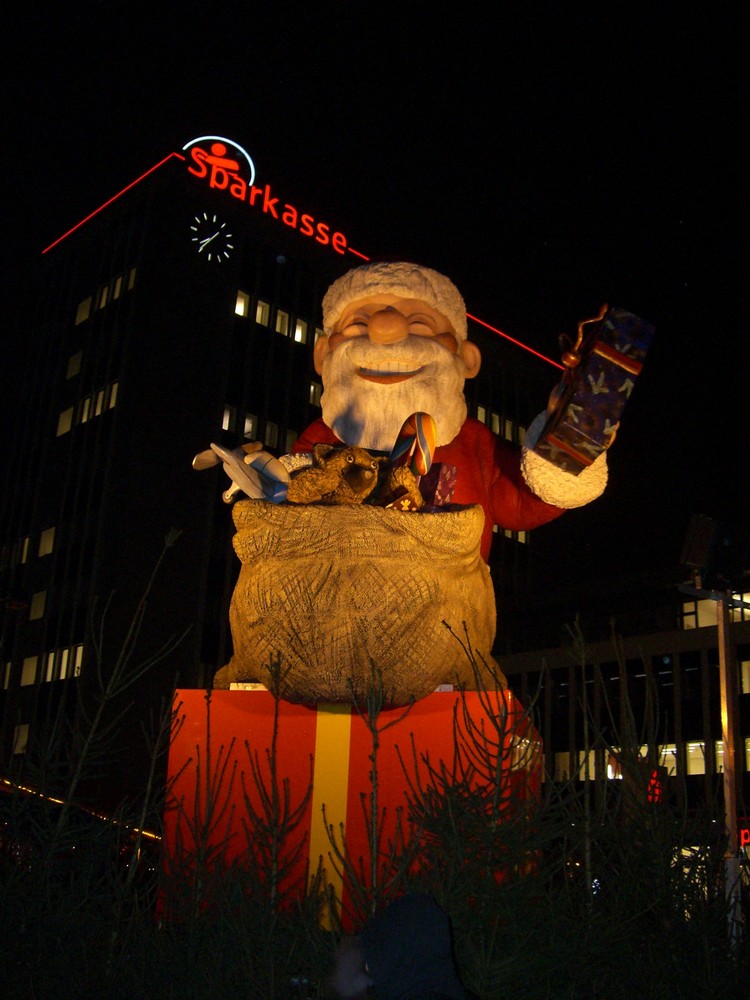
(236, 753)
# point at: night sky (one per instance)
(549, 158)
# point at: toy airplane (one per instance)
(253, 472)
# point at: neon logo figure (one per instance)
(217, 155)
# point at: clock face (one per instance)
(211, 237)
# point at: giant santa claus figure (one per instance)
(334, 592)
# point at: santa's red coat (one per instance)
(489, 474)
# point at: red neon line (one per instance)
(518, 343)
(356, 253)
(114, 198)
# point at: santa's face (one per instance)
(387, 358)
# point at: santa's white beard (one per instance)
(370, 414)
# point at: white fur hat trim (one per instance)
(554, 485)
(409, 280)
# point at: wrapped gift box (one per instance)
(588, 403)
(239, 755)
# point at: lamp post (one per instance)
(718, 555)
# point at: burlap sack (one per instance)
(334, 590)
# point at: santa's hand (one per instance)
(254, 472)
(554, 485)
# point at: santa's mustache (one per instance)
(407, 355)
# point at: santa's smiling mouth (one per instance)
(387, 375)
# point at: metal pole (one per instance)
(729, 702)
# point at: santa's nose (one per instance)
(387, 326)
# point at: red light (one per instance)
(349, 249)
(112, 199)
(518, 343)
(654, 789)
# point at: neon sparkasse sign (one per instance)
(226, 166)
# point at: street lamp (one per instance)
(718, 555)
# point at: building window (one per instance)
(83, 311)
(6, 674)
(300, 332)
(20, 737)
(131, 279)
(46, 541)
(282, 322)
(113, 395)
(36, 608)
(28, 671)
(74, 364)
(251, 427)
(65, 421)
(291, 437)
(118, 287)
(49, 673)
(481, 414)
(271, 436)
(103, 297)
(229, 418)
(318, 334)
(262, 312)
(316, 391)
(242, 305)
(23, 550)
(519, 536)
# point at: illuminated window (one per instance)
(46, 541)
(49, 673)
(118, 287)
(745, 676)
(85, 410)
(271, 436)
(74, 364)
(318, 333)
(481, 414)
(103, 295)
(300, 331)
(83, 311)
(282, 322)
(113, 394)
(99, 403)
(242, 305)
(20, 737)
(76, 660)
(229, 418)
(131, 279)
(23, 553)
(262, 312)
(6, 675)
(28, 671)
(36, 608)
(251, 426)
(316, 390)
(65, 421)
(520, 536)
(495, 423)
(508, 429)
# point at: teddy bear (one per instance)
(346, 475)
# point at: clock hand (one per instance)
(204, 243)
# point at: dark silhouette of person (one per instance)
(405, 952)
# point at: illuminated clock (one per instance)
(211, 238)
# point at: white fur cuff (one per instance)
(554, 485)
